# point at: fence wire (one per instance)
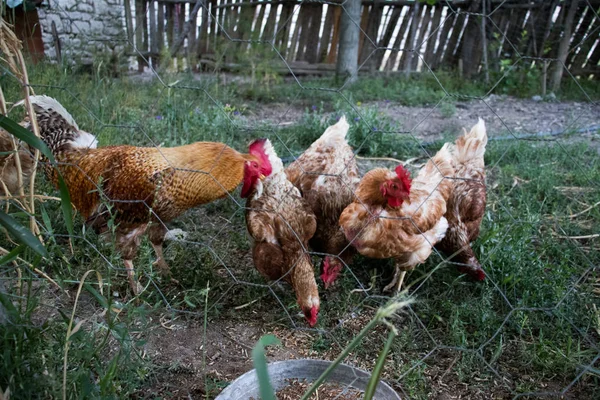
(428, 352)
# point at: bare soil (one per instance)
(504, 116)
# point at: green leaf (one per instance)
(12, 255)
(21, 234)
(29, 138)
(26, 136)
(260, 364)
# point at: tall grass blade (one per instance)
(21, 234)
(376, 375)
(260, 364)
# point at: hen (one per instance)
(466, 204)
(326, 174)
(396, 217)
(281, 223)
(145, 187)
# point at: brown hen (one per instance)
(396, 217)
(466, 205)
(281, 223)
(326, 175)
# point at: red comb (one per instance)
(257, 146)
(404, 177)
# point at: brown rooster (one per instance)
(281, 224)
(144, 186)
(326, 174)
(466, 205)
(396, 217)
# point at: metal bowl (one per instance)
(246, 386)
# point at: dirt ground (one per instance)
(504, 116)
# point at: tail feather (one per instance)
(471, 145)
(46, 104)
(57, 127)
(335, 134)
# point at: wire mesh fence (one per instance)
(529, 330)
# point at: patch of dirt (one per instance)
(503, 115)
(327, 391)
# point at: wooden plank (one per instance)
(403, 33)
(170, 11)
(406, 60)
(451, 53)
(375, 17)
(434, 36)
(303, 26)
(160, 19)
(364, 21)
(153, 34)
(312, 42)
(579, 59)
(283, 28)
(259, 20)
(269, 31)
(335, 36)
(420, 43)
(191, 39)
(444, 37)
(585, 17)
(140, 17)
(388, 33)
(290, 53)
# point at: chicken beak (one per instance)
(262, 177)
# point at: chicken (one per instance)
(326, 174)
(281, 223)
(466, 204)
(142, 188)
(9, 180)
(396, 217)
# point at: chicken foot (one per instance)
(396, 282)
(135, 285)
(156, 234)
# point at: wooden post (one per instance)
(544, 77)
(347, 62)
(563, 48)
(128, 21)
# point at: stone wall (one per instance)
(84, 27)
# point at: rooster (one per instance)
(326, 174)
(281, 223)
(466, 204)
(396, 217)
(145, 187)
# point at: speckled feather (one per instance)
(281, 223)
(406, 233)
(466, 205)
(326, 175)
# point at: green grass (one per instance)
(533, 189)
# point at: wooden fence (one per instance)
(448, 34)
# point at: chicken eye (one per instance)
(255, 164)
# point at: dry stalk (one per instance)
(11, 47)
